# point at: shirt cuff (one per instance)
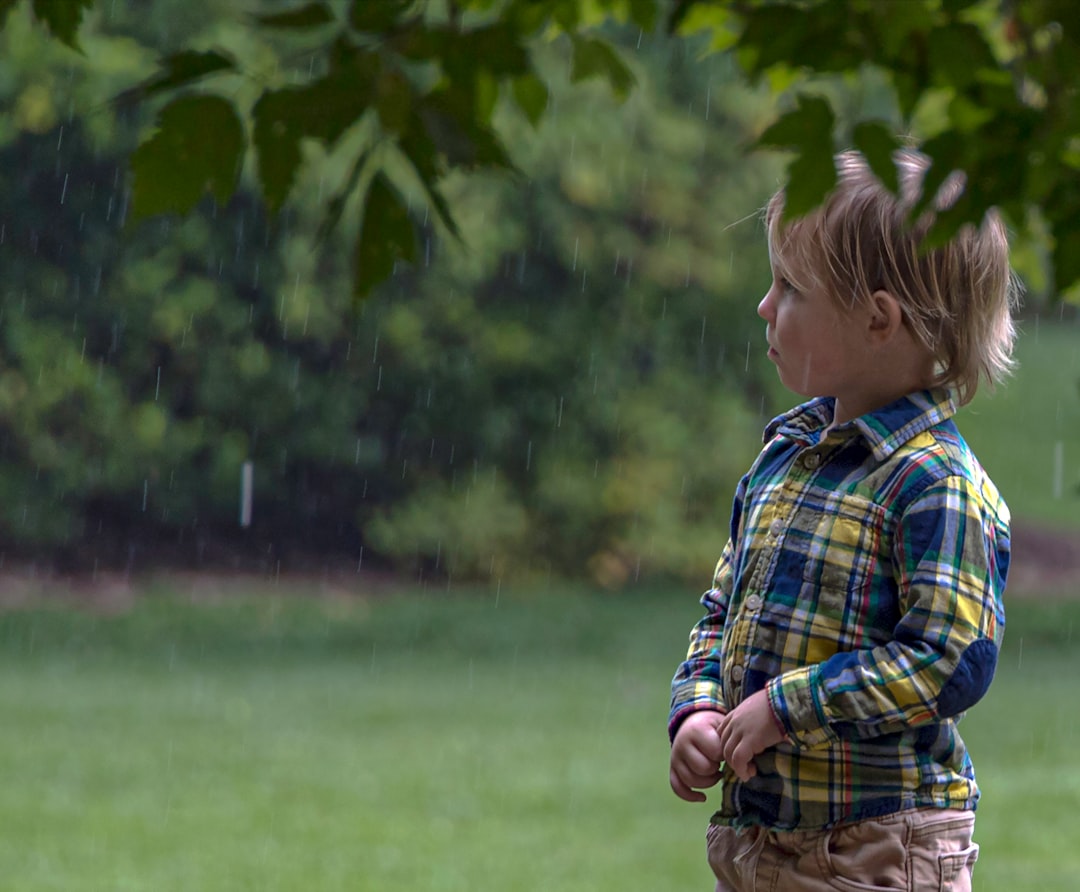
(796, 699)
(697, 698)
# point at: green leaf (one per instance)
(721, 23)
(321, 110)
(178, 70)
(376, 16)
(643, 13)
(526, 16)
(531, 95)
(821, 37)
(967, 116)
(1066, 254)
(958, 53)
(808, 129)
(811, 177)
(450, 118)
(386, 236)
(310, 16)
(680, 9)
(394, 100)
(497, 48)
(945, 152)
(416, 145)
(952, 7)
(876, 142)
(593, 57)
(5, 7)
(276, 137)
(198, 148)
(336, 206)
(811, 120)
(62, 18)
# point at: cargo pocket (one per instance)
(956, 868)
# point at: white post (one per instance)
(247, 485)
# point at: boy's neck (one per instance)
(901, 368)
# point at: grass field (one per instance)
(485, 741)
(1021, 432)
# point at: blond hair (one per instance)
(957, 299)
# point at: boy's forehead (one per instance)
(786, 252)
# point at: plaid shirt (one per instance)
(861, 587)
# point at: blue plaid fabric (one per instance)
(862, 588)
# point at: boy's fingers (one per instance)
(696, 773)
(699, 763)
(682, 790)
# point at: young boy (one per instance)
(856, 611)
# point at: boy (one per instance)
(856, 611)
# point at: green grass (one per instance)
(1016, 431)
(485, 740)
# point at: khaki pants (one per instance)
(922, 850)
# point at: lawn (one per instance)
(475, 740)
(485, 740)
(1027, 434)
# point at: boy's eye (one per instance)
(787, 287)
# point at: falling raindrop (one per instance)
(1059, 469)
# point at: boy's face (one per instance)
(816, 347)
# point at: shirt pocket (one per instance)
(842, 540)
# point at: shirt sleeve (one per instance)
(697, 684)
(951, 557)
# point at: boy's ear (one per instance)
(886, 317)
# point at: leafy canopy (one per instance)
(985, 86)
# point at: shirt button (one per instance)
(812, 460)
(754, 602)
(737, 673)
(776, 527)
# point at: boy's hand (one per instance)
(750, 728)
(695, 755)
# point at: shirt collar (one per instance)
(885, 430)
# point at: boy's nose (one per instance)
(765, 308)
